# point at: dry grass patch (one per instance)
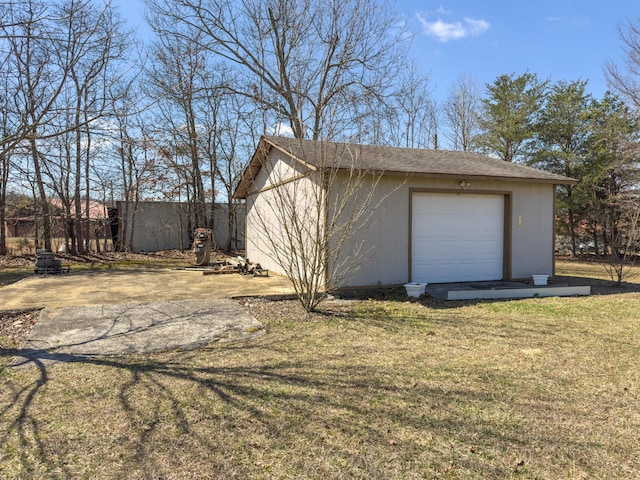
(372, 388)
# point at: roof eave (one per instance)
(554, 181)
(266, 145)
(252, 168)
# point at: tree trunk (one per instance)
(78, 180)
(230, 223)
(3, 233)
(87, 183)
(42, 194)
(4, 178)
(572, 234)
(200, 210)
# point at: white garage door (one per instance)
(457, 237)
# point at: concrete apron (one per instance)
(497, 290)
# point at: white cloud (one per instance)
(477, 27)
(281, 130)
(444, 31)
(572, 21)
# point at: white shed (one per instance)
(440, 216)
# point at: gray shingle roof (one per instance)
(390, 160)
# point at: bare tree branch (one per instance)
(626, 78)
(301, 60)
(311, 218)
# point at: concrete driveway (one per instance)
(85, 314)
(73, 334)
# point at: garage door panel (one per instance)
(460, 272)
(456, 250)
(457, 237)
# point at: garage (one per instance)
(435, 215)
(457, 237)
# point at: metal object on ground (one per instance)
(245, 267)
(240, 265)
(202, 243)
(47, 263)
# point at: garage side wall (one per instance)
(532, 251)
(529, 228)
(282, 202)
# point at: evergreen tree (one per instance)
(562, 134)
(509, 115)
(610, 180)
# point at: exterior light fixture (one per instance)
(464, 184)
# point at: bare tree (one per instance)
(41, 82)
(626, 78)
(97, 41)
(223, 147)
(311, 216)
(28, 71)
(411, 119)
(5, 156)
(621, 219)
(60, 57)
(5, 165)
(177, 80)
(136, 153)
(304, 62)
(461, 111)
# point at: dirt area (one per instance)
(100, 259)
(16, 325)
(15, 328)
(108, 278)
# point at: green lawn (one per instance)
(383, 387)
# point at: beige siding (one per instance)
(268, 218)
(387, 263)
(379, 252)
(277, 170)
(376, 254)
(258, 245)
(532, 230)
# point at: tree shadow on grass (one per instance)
(273, 406)
(316, 409)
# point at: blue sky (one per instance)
(555, 39)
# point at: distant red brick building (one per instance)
(26, 227)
